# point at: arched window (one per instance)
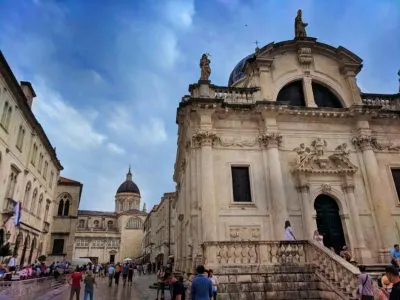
(27, 194)
(4, 114)
(81, 224)
(96, 224)
(34, 198)
(134, 223)
(40, 204)
(324, 97)
(9, 112)
(46, 212)
(110, 224)
(292, 94)
(66, 208)
(60, 208)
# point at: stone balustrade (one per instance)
(247, 256)
(240, 96)
(387, 103)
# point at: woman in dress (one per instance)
(289, 235)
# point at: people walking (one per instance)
(393, 275)
(130, 275)
(76, 279)
(201, 286)
(89, 282)
(125, 272)
(110, 272)
(179, 290)
(365, 285)
(214, 281)
(117, 274)
(161, 283)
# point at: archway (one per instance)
(26, 244)
(33, 246)
(329, 223)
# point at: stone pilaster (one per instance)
(361, 251)
(205, 140)
(307, 209)
(270, 142)
(381, 208)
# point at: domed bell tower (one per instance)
(128, 195)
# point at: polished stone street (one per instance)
(139, 291)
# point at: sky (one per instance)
(109, 74)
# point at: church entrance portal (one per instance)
(329, 223)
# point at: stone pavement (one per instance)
(139, 291)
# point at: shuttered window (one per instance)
(241, 184)
(396, 179)
(58, 246)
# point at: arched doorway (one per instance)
(329, 223)
(26, 244)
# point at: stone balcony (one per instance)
(320, 271)
(9, 205)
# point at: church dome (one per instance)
(237, 72)
(128, 186)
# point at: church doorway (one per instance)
(329, 223)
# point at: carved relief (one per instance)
(367, 142)
(238, 142)
(326, 188)
(244, 233)
(314, 159)
(305, 58)
(204, 138)
(270, 140)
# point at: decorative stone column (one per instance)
(279, 214)
(362, 253)
(382, 212)
(307, 209)
(205, 139)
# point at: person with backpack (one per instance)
(110, 272)
(125, 272)
(365, 285)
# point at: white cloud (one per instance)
(151, 132)
(115, 148)
(71, 127)
(180, 13)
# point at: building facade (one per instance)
(112, 236)
(29, 170)
(293, 138)
(64, 220)
(159, 232)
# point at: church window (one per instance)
(96, 224)
(46, 212)
(292, 94)
(60, 208)
(46, 165)
(323, 97)
(20, 137)
(39, 207)
(12, 182)
(134, 223)
(40, 163)
(34, 154)
(6, 115)
(81, 224)
(66, 208)
(396, 179)
(34, 197)
(27, 194)
(110, 224)
(58, 246)
(241, 184)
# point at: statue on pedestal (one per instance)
(205, 67)
(299, 26)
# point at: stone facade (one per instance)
(29, 170)
(112, 236)
(159, 231)
(64, 222)
(292, 139)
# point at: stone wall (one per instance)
(26, 289)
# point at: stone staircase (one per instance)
(279, 270)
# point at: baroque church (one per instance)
(290, 138)
(102, 236)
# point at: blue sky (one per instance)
(110, 74)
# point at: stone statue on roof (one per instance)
(205, 67)
(299, 26)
